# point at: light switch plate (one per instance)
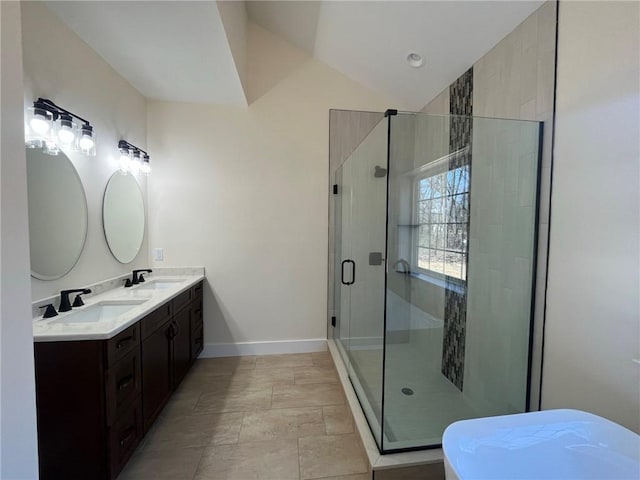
(158, 254)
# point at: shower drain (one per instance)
(407, 391)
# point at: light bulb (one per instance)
(86, 142)
(135, 164)
(39, 123)
(66, 133)
(125, 161)
(145, 168)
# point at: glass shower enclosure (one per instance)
(434, 233)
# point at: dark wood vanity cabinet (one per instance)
(97, 398)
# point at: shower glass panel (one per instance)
(360, 268)
(438, 216)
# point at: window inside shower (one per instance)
(441, 200)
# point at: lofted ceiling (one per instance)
(195, 51)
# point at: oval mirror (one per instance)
(123, 216)
(57, 214)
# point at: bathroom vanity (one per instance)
(100, 384)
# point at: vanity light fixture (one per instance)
(51, 127)
(133, 159)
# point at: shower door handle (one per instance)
(353, 272)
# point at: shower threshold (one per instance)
(377, 460)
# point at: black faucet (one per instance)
(65, 305)
(139, 279)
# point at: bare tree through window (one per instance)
(442, 222)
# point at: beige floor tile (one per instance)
(338, 419)
(330, 456)
(275, 460)
(180, 464)
(323, 374)
(264, 377)
(289, 396)
(198, 383)
(194, 431)
(285, 423)
(180, 403)
(359, 476)
(321, 359)
(223, 365)
(237, 399)
(290, 360)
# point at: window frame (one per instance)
(428, 173)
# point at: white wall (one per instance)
(18, 445)
(58, 65)
(593, 307)
(244, 192)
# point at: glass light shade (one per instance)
(125, 160)
(145, 168)
(66, 131)
(38, 128)
(136, 163)
(87, 140)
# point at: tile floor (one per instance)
(275, 417)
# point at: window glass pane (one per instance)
(457, 180)
(423, 258)
(439, 185)
(436, 261)
(425, 189)
(436, 213)
(437, 236)
(453, 264)
(424, 208)
(457, 208)
(423, 236)
(456, 237)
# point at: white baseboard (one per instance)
(212, 350)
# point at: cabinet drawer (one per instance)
(197, 342)
(196, 290)
(123, 343)
(156, 319)
(181, 301)
(196, 315)
(124, 437)
(123, 384)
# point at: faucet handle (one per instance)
(77, 302)
(50, 311)
(140, 278)
(127, 283)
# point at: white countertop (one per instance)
(55, 329)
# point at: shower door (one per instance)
(360, 268)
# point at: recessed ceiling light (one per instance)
(415, 60)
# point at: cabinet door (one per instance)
(181, 345)
(156, 368)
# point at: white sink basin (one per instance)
(100, 312)
(158, 284)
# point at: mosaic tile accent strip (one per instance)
(455, 307)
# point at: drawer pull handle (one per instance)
(125, 382)
(198, 311)
(199, 341)
(129, 433)
(124, 342)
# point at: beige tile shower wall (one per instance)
(515, 80)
